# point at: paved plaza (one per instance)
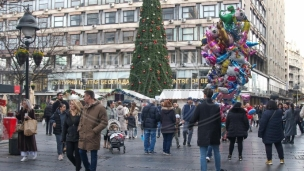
(183, 159)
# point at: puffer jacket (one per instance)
(59, 119)
(150, 116)
(237, 124)
(168, 120)
(69, 132)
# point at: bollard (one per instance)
(13, 144)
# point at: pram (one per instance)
(117, 137)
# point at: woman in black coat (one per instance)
(70, 134)
(237, 126)
(168, 125)
(271, 131)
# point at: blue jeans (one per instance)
(209, 151)
(187, 131)
(158, 129)
(135, 131)
(59, 144)
(84, 157)
(150, 139)
(217, 157)
(167, 142)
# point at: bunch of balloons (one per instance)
(226, 49)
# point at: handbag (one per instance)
(30, 127)
(20, 127)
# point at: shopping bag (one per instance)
(20, 127)
(43, 122)
(30, 127)
(142, 137)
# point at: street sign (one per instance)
(17, 89)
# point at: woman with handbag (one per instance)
(70, 134)
(271, 131)
(26, 144)
(237, 126)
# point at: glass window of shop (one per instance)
(77, 60)
(171, 34)
(168, 14)
(92, 59)
(190, 79)
(189, 56)
(111, 80)
(61, 60)
(127, 58)
(189, 12)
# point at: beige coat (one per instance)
(135, 114)
(93, 120)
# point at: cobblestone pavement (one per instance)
(183, 159)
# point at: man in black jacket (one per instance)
(47, 115)
(150, 117)
(58, 101)
(208, 116)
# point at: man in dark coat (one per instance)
(298, 118)
(58, 101)
(47, 115)
(187, 113)
(208, 116)
(150, 117)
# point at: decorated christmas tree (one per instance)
(150, 69)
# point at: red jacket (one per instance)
(248, 109)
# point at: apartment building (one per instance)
(96, 40)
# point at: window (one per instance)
(128, 36)
(110, 37)
(30, 4)
(189, 12)
(58, 21)
(127, 58)
(12, 43)
(59, 40)
(60, 60)
(75, 39)
(77, 60)
(42, 41)
(43, 4)
(168, 13)
(2, 45)
(110, 1)
(110, 17)
(189, 56)
(93, 2)
(1, 26)
(75, 20)
(75, 3)
(209, 11)
(203, 31)
(2, 62)
(188, 33)
(59, 4)
(92, 59)
(171, 34)
(128, 16)
(92, 19)
(14, 7)
(43, 22)
(172, 56)
(92, 39)
(12, 25)
(113, 59)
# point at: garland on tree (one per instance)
(150, 68)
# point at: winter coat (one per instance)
(121, 117)
(48, 112)
(135, 114)
(150, 116)
(108, 111)
(178, 110)
(69, 132)
(93, 120)
(167, 120)
(131, 121)
(57, 103)
(237, 124)
(187, 112)
(259, 112)
(271, 130)
(290, 125)
(26, 143)
(209, 123)
(59, 119)
(120, 111)
(297, 115)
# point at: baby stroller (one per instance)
(117, 137)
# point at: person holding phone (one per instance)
(26, 144)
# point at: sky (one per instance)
(294, 25)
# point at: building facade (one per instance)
(94, 41)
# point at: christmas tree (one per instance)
(150, 69)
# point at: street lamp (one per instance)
(296, 87)
(27, 26)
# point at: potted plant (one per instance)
(37, 56)
(33, 87)
(21, 55)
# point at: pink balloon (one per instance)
(226, 96)
(245, 97)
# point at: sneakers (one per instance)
(269, 162)
(208, 159)
(189, 145)
(60, 157)
(35, 156)
(167, 154)
(127, 136)
(178, 146)
(229, 157)
(24, 159)
(282, 161)
(240, 158)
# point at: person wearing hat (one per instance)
(187, 113)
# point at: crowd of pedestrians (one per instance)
(78, 127)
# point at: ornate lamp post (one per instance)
(27, 26)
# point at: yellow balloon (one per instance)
(246, 26)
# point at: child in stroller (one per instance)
(116, 136)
